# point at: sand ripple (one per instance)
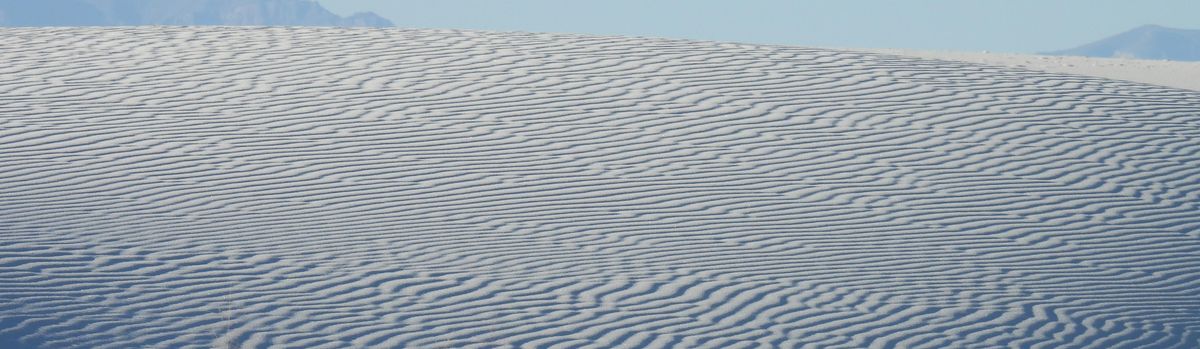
(381, 188)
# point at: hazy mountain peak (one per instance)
(178, 12)
(1144, 42)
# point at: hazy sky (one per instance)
(997, 25)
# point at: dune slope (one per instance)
(66, 13)
(387, 188)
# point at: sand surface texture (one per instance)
(389, 188)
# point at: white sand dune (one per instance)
(1184, 75)
(387, 188)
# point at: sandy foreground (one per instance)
(1184, 75)
(214, 187)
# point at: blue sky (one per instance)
(971, 25)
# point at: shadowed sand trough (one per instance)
(386, 188)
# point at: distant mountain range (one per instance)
(49, 13)
(1146, 42)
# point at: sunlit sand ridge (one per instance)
(387, 188)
